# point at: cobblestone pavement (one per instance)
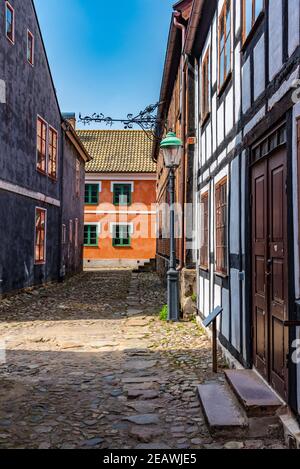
(89, 365)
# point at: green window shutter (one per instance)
(122, 194)
(91, 194)
(90, 235)
(121, 236)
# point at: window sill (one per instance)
(204, 269)
(247, 40)
(40, 263)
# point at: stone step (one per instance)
(256, 398)
(222, 412)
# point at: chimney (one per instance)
(71, 118)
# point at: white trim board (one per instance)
(9, 187)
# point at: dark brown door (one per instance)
(269, 270)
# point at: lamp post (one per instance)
(171, 147)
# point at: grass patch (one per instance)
(163, 315)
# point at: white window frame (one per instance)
(46, 225)
(8, 6)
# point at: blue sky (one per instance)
(105, 56)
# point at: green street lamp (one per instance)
(171, 147)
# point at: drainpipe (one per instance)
(180, 26)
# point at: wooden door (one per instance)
(269, 270)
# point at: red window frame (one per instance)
(52, 152)
(30, 47)
(221, 227)
(42, 131)
(10, 34)
(40, 235)
(204, 245)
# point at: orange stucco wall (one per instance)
(143, 220)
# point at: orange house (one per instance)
(120, 195)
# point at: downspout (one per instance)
(180, 26)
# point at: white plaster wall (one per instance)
(259, 67)
(237, 82)
(220, 120)
(229, 111)
(294, 24)
(234, 208)
(275, 37)
(235, 309)
(246, 86)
